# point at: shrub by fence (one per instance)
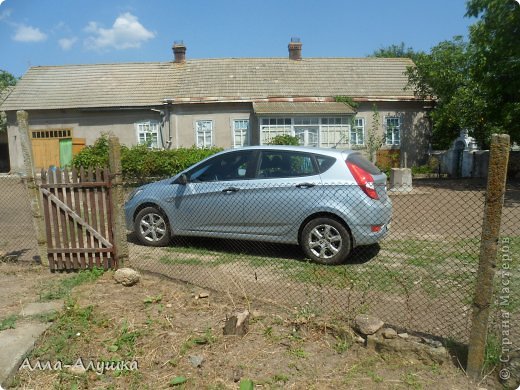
(140, 163)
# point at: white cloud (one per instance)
(67, 43)
(126, 33)
(28, 34)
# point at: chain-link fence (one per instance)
(420, 277)
(17, 233)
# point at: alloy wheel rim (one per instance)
(325, 241)
(152, 227)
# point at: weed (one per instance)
(156, 299)
(412, 380)
(9, 322)
(125, 342)
(298, 352)
(280, 378)
(58, 342)
(342, 345)
(63, 288)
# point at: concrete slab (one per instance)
(15, 344)
(37, 308)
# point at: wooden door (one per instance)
(46, 152)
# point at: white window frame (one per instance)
(333, 131)
(243, 133)
(357, 132)
(142, 133)
(392, 130)
(201, 129)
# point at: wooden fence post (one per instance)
(118, 200)
(34, 192)
(483, 299)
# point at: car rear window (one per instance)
(325, 162)
(363, 163)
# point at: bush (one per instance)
(285, 140)
(141, 163)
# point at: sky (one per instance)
(62, 32)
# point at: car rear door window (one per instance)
(279, 164)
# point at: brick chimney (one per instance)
(295, 49)
(179, 52)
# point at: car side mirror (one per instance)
(182, 179)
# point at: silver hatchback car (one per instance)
(326, 200)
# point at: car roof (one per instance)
(307, 149)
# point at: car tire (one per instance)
(326, 241)
(152, 228)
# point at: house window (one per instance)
(148, 133)
(311, 131)
(357, 134)
(272, 127)
(240, 132)
(334, 132)
(204, 134)
(393, 130)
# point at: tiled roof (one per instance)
(280, 108)
(230, 79)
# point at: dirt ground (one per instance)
(174, 333)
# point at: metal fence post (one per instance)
(118, 200)
(34, 193)
(483, 298)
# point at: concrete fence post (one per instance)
(483, 298)
(34, 192)
(118, 200)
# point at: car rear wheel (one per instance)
(326, 241)
(151, 227)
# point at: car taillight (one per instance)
(364, 180)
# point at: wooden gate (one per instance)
(78, 219)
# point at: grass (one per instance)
(61, 289)
(58, 343)
(8, 322)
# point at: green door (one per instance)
(65, 152)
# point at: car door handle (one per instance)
(230, 189)
(305, 185)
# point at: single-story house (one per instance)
(227, 102)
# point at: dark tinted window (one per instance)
(275, 164)
(325, 162)
(230, 166)
(363, 163)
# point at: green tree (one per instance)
(444, 75)
(6, 80)
(396, 51)
(495, 63)
(475, 83)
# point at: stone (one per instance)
(400, 180)
(126, 276)
(403, 335)
(367, 324)
(418, 351)
(203, 295)
(41, 308)
(359, 339)
(237, 324)
(196, 361)
(389, 333)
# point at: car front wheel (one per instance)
(326, 241)
(151, 227)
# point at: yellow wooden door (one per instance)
(46, 152)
